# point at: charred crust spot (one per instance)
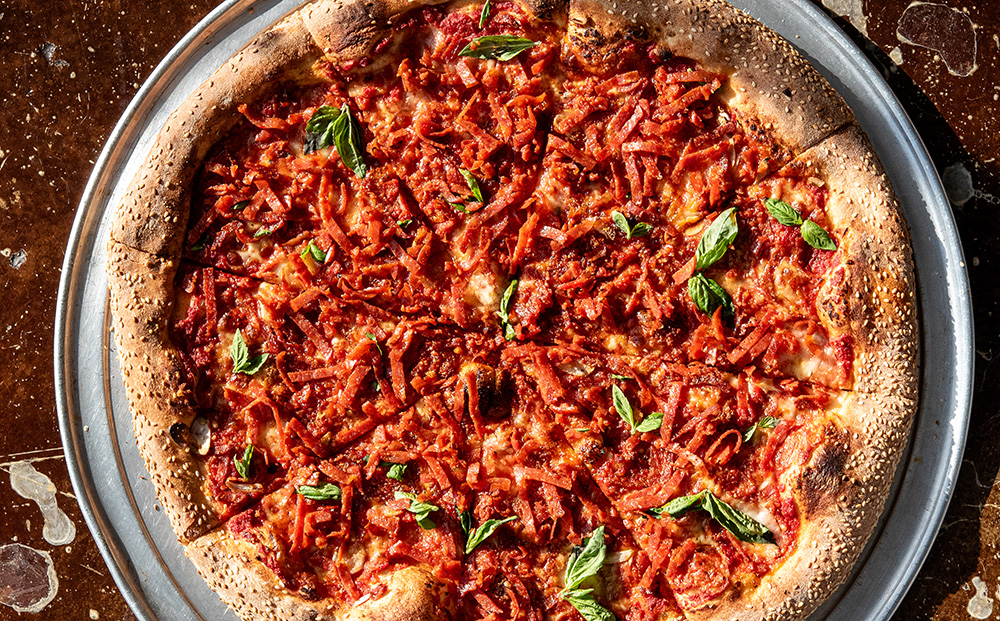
(822, 483)
(179, 433)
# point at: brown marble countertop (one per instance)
(69, 70)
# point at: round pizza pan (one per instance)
(109, 477)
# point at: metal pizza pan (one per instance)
(107, 472)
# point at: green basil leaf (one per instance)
(783, 212)
(262, 232)
(240, 353)
(327, 491)
(421, 510)
(200, 244)
(716, 239)
(708, 295)
(679, 506)
(586, 560)
(508, 329)
(483, 532)
(240, 206)
(371, 337)
(623, 407)
(484, 15)
(477, 193)
(622, 223)
(767, 422)
(314, 251)
(816, 236)
(244, 463)
(319, 129)
(651, 423)
(348, 138)
(459, 207)
(744, 527)
(735, 521)
(465, 521)
(620, 377)
(584, 602)
(498, 47)
(396, 471)
(404, 223)
(639, 229)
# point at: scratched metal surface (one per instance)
(121, 510)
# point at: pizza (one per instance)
(518, 309)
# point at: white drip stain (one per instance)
(28, 580)
(980, 606)
(57, 529)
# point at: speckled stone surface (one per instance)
(69, 69)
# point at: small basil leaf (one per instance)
(319, 129)
(584, 602)
(421, 510)
(327, 491)
(623, 407)
(459, 207)
(783, 212)
(498, 47)
(396, 471)
(508, 329)
(586, 560)
(735, 521)
(371, 337)
(484, 15)
(314, 251)
(708, 295)
(243, 464)
(641, 229)
(482, 533)
(262, 232)
(651, 423)
(679, 506)
(348, 137)
(240, 353)
(767, 422)
(620, 377)
(816, 236)
(622, 223)
(477, 193)
(716, 239)
(465, 521)
(404, 223)
(200, 244)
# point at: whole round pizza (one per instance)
(517, 309)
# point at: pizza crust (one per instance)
(229, 566)
(153, 215)
(141, 289)
(769, 81)
(874, 301)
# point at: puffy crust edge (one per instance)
(230, 567)
(141, 292)
(874, 299)
(153, 215)
(770, 82)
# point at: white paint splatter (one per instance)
(896, 55)
(58, 529)
(852, 10)
(28, 580)
(980, 606)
